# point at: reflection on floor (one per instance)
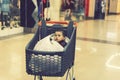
(97, 52)
(11, 31)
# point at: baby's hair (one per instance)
(58, 27)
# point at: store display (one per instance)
(9, 13)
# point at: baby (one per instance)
(60, 37)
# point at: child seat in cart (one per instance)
(48, 63)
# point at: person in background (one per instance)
(43, 9)
(69, 6)
(14, 8)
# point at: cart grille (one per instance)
(46, 64)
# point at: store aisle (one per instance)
(97, 52)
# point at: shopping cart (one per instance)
(44, 63)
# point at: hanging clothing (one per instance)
(46, 3)
(38, 2)
(69, 4)
(40, 6)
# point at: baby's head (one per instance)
(59, 35)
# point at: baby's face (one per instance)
(59, 36)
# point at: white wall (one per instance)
(118, 6)
(55, 9)
(114, 6)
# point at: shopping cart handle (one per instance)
(57, 22)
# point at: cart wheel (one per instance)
(68, 74)
(73, 78)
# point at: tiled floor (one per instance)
(97, 52)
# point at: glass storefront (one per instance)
(10, 17)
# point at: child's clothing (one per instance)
(63, 43)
